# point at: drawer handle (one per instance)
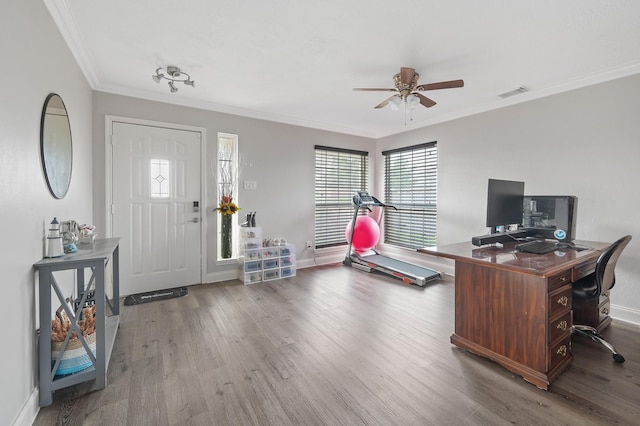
(564, 301)
(562, 350)
(605, 311)
(562, 325)
(563, 279)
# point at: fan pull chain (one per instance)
(405, 112)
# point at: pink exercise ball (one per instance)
(365, 234)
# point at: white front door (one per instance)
(155, 182)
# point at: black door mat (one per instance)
(152, 296)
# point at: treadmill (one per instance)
(371, 260)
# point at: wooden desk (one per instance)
(515, 308)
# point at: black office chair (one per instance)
(589, 289)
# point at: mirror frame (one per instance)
(57, 173)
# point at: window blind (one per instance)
(411, 185)
(339, 174)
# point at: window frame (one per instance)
(334, 189)
(227, 184)
(415, 195)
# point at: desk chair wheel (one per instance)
(618, 358)
(593, 334)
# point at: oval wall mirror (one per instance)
(55, 145)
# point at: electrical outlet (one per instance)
(309, 245)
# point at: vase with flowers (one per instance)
(227, 208)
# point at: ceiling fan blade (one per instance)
(425, 101)
(441, 85)
(369, 89)
(406, 75)
(384, 103)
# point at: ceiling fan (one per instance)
(408, 91)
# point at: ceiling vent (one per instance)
(517, 91)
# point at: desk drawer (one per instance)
(559, 326)
(559, 280)
(558, 352)
(583, 270)
(604, 307)
(559, 301)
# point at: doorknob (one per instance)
(195, 220)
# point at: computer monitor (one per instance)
(504, 203)
(550, 216)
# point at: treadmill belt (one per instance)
(400, 266)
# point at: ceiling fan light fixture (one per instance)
(395, 103)
(412, 101)
(409, 93)
(175, 76)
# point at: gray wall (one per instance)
(279, 157)
(38, 62)
(583, 142)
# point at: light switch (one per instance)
(250, 184)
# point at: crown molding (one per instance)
(580, 82)
(226, 109)
(535, 93)
(66, 23)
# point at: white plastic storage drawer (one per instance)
(251, 243)
(288, 250)
(270, 263)
(268, 252)
(287, 261)
(248, 232)
(253, 277)
(289, 271)
(253, 266)
(252, 255)
(272, 274)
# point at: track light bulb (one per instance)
(173, 88)
(190, 83)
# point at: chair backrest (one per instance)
(606, 265)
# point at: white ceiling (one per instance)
(297, 62)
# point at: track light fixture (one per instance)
(175, 75)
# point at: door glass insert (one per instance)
(160, 182)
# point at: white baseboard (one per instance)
(446, 266)
(326, 256)
(29, 411)
(216, 277)
(625, 314)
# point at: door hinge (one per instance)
(113, 209)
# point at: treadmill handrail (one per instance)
(357, 202)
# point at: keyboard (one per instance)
(537, 246)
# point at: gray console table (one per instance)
(97, 257)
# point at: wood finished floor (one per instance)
(333, 346)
